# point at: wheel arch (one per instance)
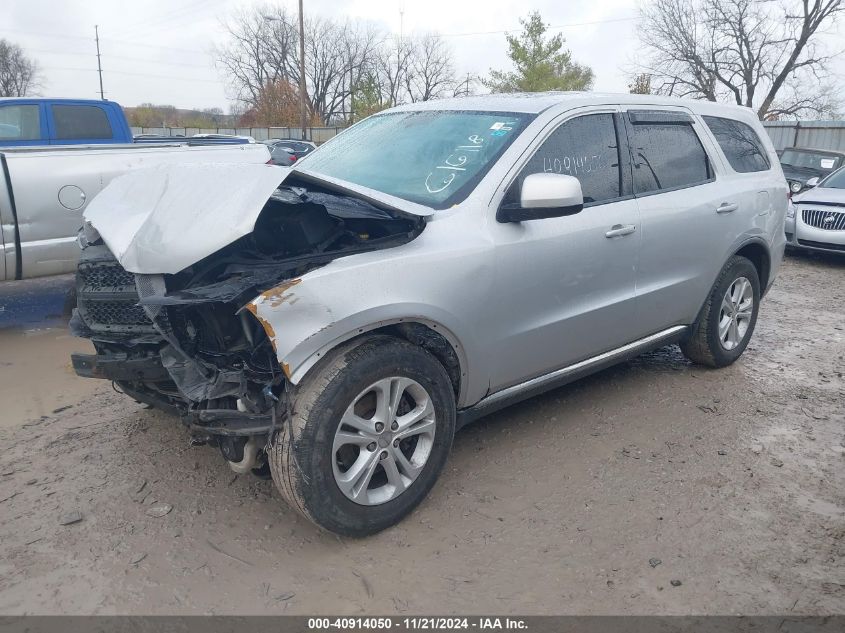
(754, 249)
(299, 359)
(757, 252)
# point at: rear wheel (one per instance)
(369, 435)
(724, 327)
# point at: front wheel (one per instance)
(726, 322)
(368, 436)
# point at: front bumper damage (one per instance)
(191, 343)
(147, 351)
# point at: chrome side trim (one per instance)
(582, 367)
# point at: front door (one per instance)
(567, 285)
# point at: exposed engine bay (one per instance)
(184, 342)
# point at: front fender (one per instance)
(306, 318)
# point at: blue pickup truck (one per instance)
(26, 121)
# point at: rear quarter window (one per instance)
(740, 143)
(78, 122)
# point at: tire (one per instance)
(706, 345)
(309, 469)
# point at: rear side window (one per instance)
(667, 156)
(584, 147)
(740, 143)
(20, 123)
(77, 122)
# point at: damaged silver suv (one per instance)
(332, 325)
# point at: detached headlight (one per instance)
(795, 187)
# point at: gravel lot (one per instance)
(653, 487)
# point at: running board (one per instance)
(560, 377)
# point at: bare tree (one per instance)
(430, 73)
(764, 54)
(261, 44)
(393, 64)
(263, 50)
(18, 74)
(340, 59)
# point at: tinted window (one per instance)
(20, 123)
(667, 156)
(76, 122)
(586, 148)
(741, 145)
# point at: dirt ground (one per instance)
(653, 487)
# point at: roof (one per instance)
(536, 102)
(55, 100)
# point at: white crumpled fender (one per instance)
(163, 219)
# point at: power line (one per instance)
(51, 36)
(123, 72)
(123, 57)
(180, 13)
(559, 26)
(161, 19)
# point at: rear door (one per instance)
(689, 218)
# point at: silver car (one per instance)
(815, 220)
(430, 265)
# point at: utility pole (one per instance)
(99, 66)
(303, 114)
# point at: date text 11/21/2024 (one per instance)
(430, 623)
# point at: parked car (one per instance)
(430, 265)
(800, 165)
(233, 138)
(45, 190)
(298, 148)
(31, 121)
(815, 219)
(281, 155)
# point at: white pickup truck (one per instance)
(44, 190)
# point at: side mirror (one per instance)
(812, 182)
(544, 196)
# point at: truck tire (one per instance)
(369, 433)
(725, 324)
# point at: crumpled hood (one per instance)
(163, 219)
(820, 194)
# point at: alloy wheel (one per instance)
(383, 440)
(735, 313)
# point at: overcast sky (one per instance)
(160, 50)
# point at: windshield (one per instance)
(810, 160)
(434, 158)
(835, 181)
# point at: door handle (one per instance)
(727, 207)
(618, 230)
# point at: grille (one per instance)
(107, 297)
(820, 219)
(99, 277)
(116, 313)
